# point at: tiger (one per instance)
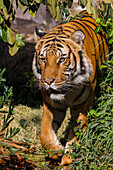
(65, 64)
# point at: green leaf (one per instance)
(102, 121)
(110, 34)
(42, 163)
(32, 13)
(2, 72)
(4, 35)
(12, 15)
(23, 123)
(72, 155)
(53, 9)
(111, 41)
(14, 131)
(98, 20)
(6, 15)
(89, 8)
(19, 41)
(58, 12)
(77, 133)
(92, 112)
(103, 66)
(10, 36)
(69, 3)
(13, 50)
(21, 7)
(84, 2)
(1, 19)
(1, 4)
(37, 1)
(98, 29)
(25, 2)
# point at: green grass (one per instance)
(31, 135)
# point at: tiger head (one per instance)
(61, 63)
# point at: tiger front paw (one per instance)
(66, 160)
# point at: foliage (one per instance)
(6, 130)
(92, 6)
(7, 15)
(5, 92)
(58, 8)
(6, 95)
(105, 22)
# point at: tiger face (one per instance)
(61, 65)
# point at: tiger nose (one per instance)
(49, 81)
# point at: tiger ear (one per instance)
(78, 37)
(39, 33)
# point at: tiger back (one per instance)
(65, 64)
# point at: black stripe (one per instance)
(49, 37)
(68, 31)
(49, 40)
(70, 51)
(75, 61)
(63, 36)
(59, 50)
(60, 28)
(53, 33)
(46, 45)
(57, 40)
(63, 33)
(70, 27)
(37, 66)
(87, 16)
(88, 22)
(81, 93)
(59, 45)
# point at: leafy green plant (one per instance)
(105, 22)
(58, 8)
(7, 15)
(92, 6)
(6, 130)
(5, 92)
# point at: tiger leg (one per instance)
(49, 127)
(82, 119)
(79, 119)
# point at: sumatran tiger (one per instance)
(65, 64)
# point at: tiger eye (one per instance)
(62, 59)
